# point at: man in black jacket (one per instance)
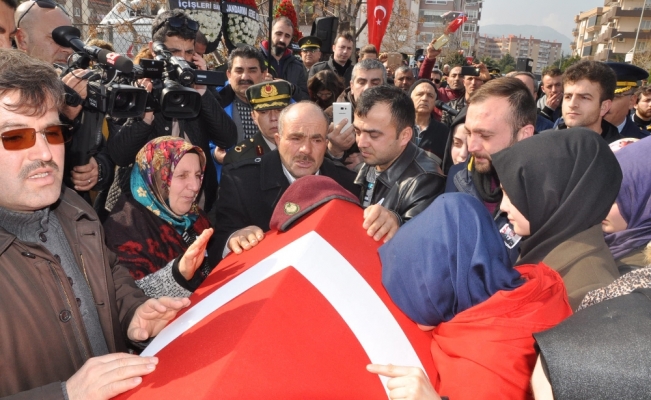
(340, 62)
(283, 63)
(250, 189)
(398, 179)
(212, 123)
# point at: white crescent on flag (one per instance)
(381, 8)
(335, 278)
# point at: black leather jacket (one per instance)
(409, 185)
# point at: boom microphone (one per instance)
(68, 36)
(442, 106)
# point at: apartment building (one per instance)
(608, 32)
(431, 25)
(542, 52)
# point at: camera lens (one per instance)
(124, 101)
(177, 98)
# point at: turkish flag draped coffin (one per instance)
(298, 316)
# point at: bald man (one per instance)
(34, 34)
(7, 25)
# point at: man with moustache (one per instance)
(310, 51)
(68, 308)
(499, 114)
(251, 188)
(267, 100)
(403, 78)
(283, 63)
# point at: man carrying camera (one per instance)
(35, 22)
(177, 32)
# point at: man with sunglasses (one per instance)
(68, 308)
(178, 32)
(7, 25)
(35, 21)
(310, 51)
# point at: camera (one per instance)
(469, 71)
(106, 93)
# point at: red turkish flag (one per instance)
(299, 316)
(378, 13)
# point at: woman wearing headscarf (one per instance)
(429, 134)
(480, 310)
(628, 225)
(157, 229)
(456, 148)
(558, 188)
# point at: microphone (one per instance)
(68, 36)
(442, 106)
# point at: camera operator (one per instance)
(177, 32)
(35, 22)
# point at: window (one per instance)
(77, 12)
(586, 51)
(431, 18)
(469, 27)
(439, 2)
(646, 25)
(641, 46)
(473, 14)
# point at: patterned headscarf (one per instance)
(152, 175)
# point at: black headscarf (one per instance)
(563, 182)
(447, 157)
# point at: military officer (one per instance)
(267, 100)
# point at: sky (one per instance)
(557, 14)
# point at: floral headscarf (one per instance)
(152, 175)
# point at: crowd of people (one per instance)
(515, 219)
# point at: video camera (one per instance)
(172, 77)
(106, 93)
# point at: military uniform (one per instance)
(628, 78)
(250, 189)
(248, 149)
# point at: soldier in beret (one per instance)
(267, 100)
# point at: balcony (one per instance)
(618, 12)
(575, 32)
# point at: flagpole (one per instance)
(271, 18)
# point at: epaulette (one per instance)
(243, 163)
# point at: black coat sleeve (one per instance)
(214, 121)
(124, 144)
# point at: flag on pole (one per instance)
(378, 13)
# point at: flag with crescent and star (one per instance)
(299, 316)
(378, 15)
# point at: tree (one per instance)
(490, 63)
(455, 58)
(569, 61)
(506, 64)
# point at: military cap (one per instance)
(310, 42)
(270, 95)
(494, 71)
(628, 76)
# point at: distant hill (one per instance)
(538, 32)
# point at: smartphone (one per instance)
(341, 111)
(470, 71)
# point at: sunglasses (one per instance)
(310, 50)
(51, 4)
(24, 138)
(178, 23)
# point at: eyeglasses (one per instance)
(24, 138)
(310, 50)
(437, 81)
(324, 95)
(178, 23)
(51, 4)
